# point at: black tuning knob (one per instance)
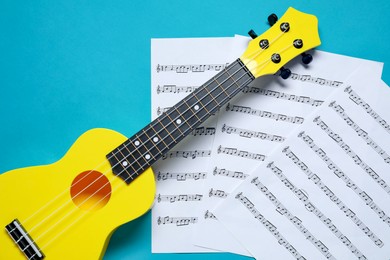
(252, 34)
(285, 73)
(306, 58)
(272, 19)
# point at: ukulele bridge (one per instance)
(23, 240)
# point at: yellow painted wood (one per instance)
(65, 228)
(302, 26)
(62, 229)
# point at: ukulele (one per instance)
(69, 209)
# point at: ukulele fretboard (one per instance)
(140, 151)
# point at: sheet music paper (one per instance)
(325, 192)
(178, 67)
(255, 123)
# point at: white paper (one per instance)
(325, 193)
(256, 122)
(178, 67)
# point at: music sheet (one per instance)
(324, 194)
(178, 67)
(255, 123)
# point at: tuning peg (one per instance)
(252, 34)
(272, 19)
(306, 58)
(285, 73)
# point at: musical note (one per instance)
(315, 80)
(179, 198)
(169, 89)
(209, 215)
(333, 197)
(350, 184)
(199, 131)
(218, 193)
(178, 221)
(228, 173)
(190, 68)
(310, 207)
(281, 95)
(163, 176)
(265, 114)
(359, 131)
(360, 102)
(249, 134)
(173, 77)
(280, 208)
(187, 154)
(347, 149)
(267, 224)
(351, 209)
(240, 153)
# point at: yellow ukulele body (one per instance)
(70, 208)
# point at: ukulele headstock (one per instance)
(293, 34)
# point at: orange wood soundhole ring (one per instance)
(90, 190)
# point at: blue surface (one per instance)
(68, 66)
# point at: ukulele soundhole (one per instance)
(90, 190)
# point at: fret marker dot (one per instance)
(155, 139)
(125, 163)
(178, 121)
(137, 143)
(147, 157)
(196, 107)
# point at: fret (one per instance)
(188, 113)
(180, 119)
(239, 79)
(157, 141)
(118, 167)
(175, 122)
(151, 146)
(199, 105)
(224, 91)
(153, 141)
(140, 152)
(124, 158)
(214, 91)
(208, 102)
(223, 86)
(169, 129)
(165, 133)
(193, 110)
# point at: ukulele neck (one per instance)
(140, 151)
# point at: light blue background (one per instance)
(68, 66)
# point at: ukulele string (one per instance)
(149, 138)
(81, 216)
(257, 67)
(87, 174)
(119, 151)
(97, 203)
(114, 177)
